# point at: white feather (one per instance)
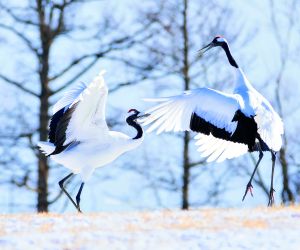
(213, 106)
(269, 124)
(209, 143)
(217, 152)
(69, 97)
(218, 149)
(211, 149)
(46, 147)
(88, 120)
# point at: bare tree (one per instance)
(56, 43)
(179, 29)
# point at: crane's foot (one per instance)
(249, 188)
(271, 197)
(78, 208)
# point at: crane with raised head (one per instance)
(228, 125)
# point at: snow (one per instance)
(207, 228)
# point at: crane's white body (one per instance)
(92, 144)
(218, 108)
(85, 157)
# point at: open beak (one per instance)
(204, 49)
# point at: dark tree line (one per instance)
(57, 42)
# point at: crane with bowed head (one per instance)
(79, 138)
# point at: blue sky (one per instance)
(127, 190)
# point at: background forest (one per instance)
(148, 49)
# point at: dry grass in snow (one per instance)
(259, 228)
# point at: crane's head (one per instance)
(217, 41)
(133, 112)
(134, 115)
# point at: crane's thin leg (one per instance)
(271, 194)
(249, 185)
(61, 184)
(78, 197)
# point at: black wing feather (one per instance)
(58, 127)
(62, 126)
(53, 124)
(246, 130)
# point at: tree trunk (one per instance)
(186, 140)
(43, 167)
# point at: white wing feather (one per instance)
(174, 113)
(46, 147)
(69, 97)
(88, 119)
(216, 149)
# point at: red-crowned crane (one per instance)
(228, 125)
(79, 137)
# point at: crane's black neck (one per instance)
(229, 56)
(131, 122)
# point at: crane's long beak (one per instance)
(140, 117)
(144, 115)
(204, 49)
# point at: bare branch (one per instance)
(136, 65)
(21, 35)
(85, 69)
(60, 24)
(18, 85)
(113, 46)
(95, 57)
(16, 17)
(128, 83)
(72, 64)
(23, 182)
(136, 81)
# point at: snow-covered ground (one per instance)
(259, 228)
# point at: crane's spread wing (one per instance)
(206, 111)
(269, 124)
(69, 97)
(194, 110)
(215, 149)
(80, 114)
